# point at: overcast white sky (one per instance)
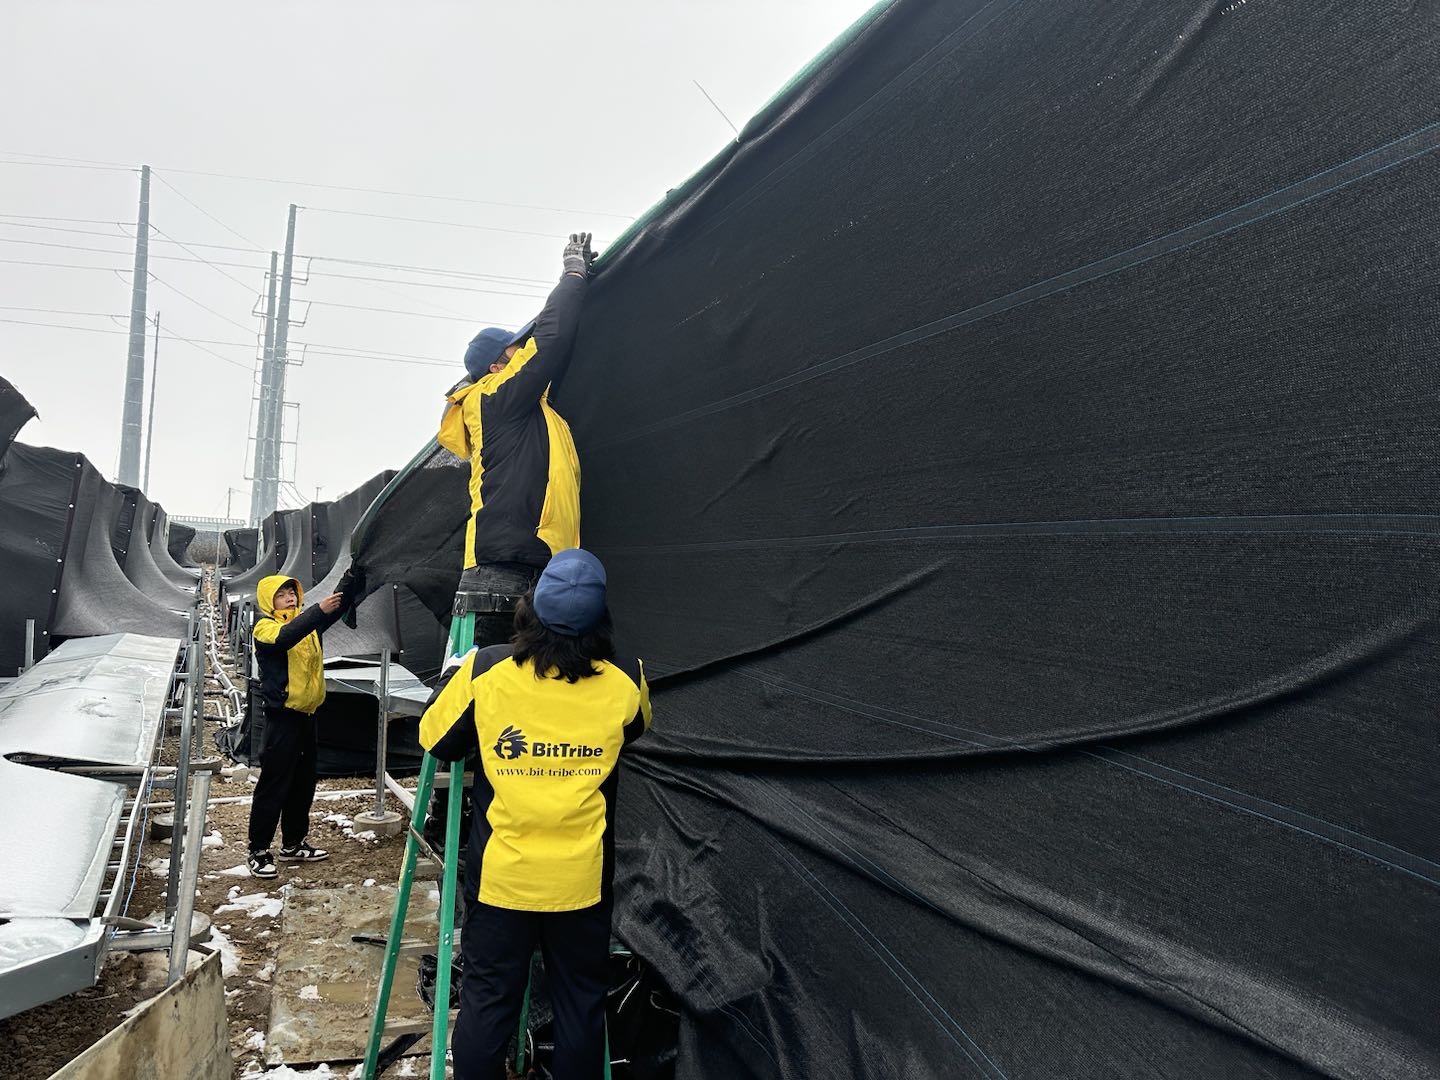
(588, 107)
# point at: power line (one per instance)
(439, 270)
(257, 246)
(120, 235)
(112, 251)
(422, 284)
(66, 266)
(197, 303)
(432, 221)
(58, 165)
(335, 187)
(102, 330)
(47, 217)
(64, 311)
(395, 311)
(207, 262)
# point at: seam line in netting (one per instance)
(1396, 858)
(875, 944)
(1420, 525)
(1383, 158)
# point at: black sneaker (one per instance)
(303, 852)
(262, 864)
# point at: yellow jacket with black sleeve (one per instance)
(524, 471)
(287, 648)
(542, 837)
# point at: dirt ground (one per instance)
(39, 1041)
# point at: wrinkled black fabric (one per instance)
(37, 486)
(15, 412)
(162, 545)
(177, 542)
(95, 596)
(243, 546)
(1015, 459)
(415, 533)
(135, 521)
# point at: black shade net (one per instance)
(15, 413)
(1015, 459)
(243, 546)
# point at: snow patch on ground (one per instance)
(254, 1040)
(255, 1071)
(256, 905)
(309, 993)
(346, 824)
(159, 867)
(243, 870)
(229, 957)
(265, 972)
(369, 881)
(213, 839)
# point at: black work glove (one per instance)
(352, 587)
(578, 256)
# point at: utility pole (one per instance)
(262, 411)
(270, 423)
(135, 367)
(150, 424)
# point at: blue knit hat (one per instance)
(570, 595)
(489, 345)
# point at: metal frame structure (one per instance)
(51, 956)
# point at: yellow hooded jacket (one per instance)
(524, 471)
(287, 648)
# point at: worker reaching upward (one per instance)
(524, 471)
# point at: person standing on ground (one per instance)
(549, 714)
(524, 471)
(289, 658)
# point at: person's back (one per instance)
(549, 715)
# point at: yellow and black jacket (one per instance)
(524, 472)
(542, 836)
(287, 648)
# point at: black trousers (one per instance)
(287, 779)
(498, 943)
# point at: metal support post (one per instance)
(185, 909)
(379, 820)
(29, 661)
(178, 839)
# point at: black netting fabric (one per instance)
(162, 541)
(129, 540)
(15, 412)
(414, 535)
(178, 538)
(95, 596)
(37, 487)
(1015, 458)
(243, 546)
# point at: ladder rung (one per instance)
(415, 1027)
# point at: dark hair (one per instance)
(571, 658)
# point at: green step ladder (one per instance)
(462, 639)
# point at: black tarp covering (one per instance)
(414, 535)
(129, 540)
(160, 551)
(15, 413)
(243, 545)
(37, 487)
(95, 595)
(1015, 458)
(177, 543)
(273, 549)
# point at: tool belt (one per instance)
(485, 603)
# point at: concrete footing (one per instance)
(385, 823)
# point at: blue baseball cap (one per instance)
(570, 595)
(489, 344)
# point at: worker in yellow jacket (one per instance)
(549, 714)
(524, 471)
(291, 683)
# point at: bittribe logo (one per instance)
(510, 745)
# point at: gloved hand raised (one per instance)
(578, 256)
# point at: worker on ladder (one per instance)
(524, 471)
(549, 715)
